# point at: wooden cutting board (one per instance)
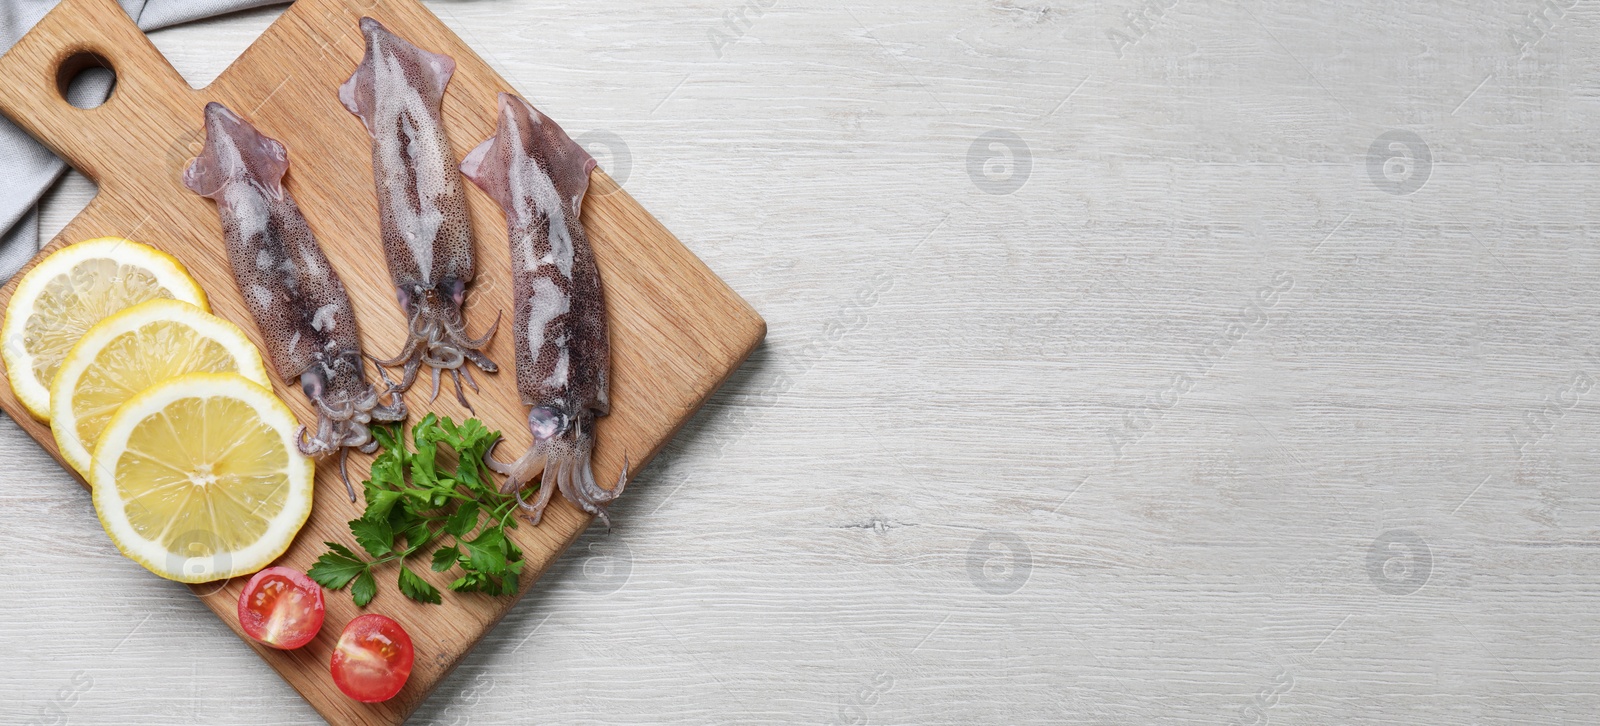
(677, 330)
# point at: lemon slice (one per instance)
(134, 350)
(67, 293)
(198, 479)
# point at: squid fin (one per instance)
(234, 150)
(525, 136)
(358, 91)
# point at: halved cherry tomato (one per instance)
(373, 659)
(281, 607)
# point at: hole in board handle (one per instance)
(85, 79)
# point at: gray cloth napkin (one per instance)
(27, 169)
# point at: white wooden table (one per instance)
(1160, 361)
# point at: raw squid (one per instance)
(297, 299)
(539, 176)
(397, 91)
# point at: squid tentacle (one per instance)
(395, 410)
(344, 424)
(594, 499)
(535, 509)
(593, 493)
(489, 461)
(305, 443)
(456, 330)
(520, 473)
(461, 396)
(408, 352)
(344, 473)
(441, 345)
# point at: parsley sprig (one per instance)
(419, 498)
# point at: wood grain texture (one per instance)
(944, 362)
(676, 330)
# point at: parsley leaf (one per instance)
(486, 552)
(364, 589)
(343, 550)
(416, 588)
(374, 536)
(418, 536)
(445, 558)
(464, 520)
(336, 569)
(380, 502)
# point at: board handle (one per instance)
(132, 129)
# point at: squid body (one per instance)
(427, 241)
(539, 176)
(296, 298)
